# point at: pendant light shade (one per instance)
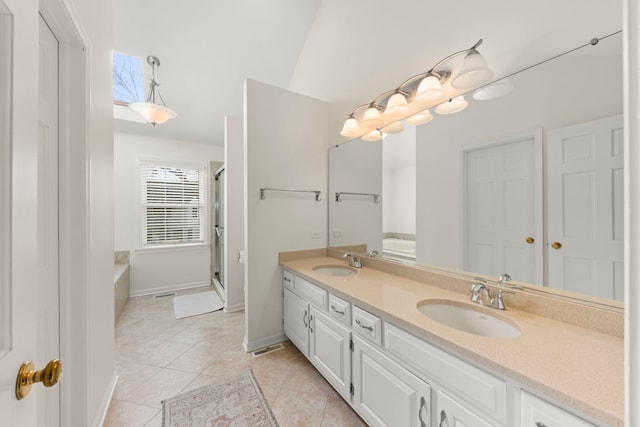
(397, 106)
(351, 129)
(374, 135)
(420, 118)
(429, 91)
(454, 105)
(153, 113)
(475, 72)
(395, 127)
(371, 118)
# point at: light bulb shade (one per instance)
(429, 91)
(395, 127)
(494, 91)
(454, 105)
(153, 113)
(420, 118)
(351, 128)
(371, 118)
(397, 106)
(474, 72)
(374, 135)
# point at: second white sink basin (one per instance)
(335, 270)
(466, 318)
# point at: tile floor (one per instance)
(158, 357)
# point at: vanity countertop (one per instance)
(579, 367)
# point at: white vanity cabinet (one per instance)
(535, 412)
(386, 394)
(296, 321)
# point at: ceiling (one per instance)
(342, 51)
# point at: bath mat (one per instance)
(195, 304)
(237, 402)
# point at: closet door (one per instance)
(585, 207)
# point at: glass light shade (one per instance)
(153, 113)
(474, 72)
(454, 105)
(397, 106)
(429, 91)
(420, 118)
(395, 127)
(371, 118)
(351, 128)
(493, 91)
(374, 135)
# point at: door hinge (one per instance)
(352, 389)
(351, 345)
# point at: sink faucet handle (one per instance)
(496, 301)
(373, 253)
(503, 279)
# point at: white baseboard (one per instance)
(106, 402)
(250, 346)
(234, 308)
(171, 288)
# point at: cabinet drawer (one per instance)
(367, 325)
(287, 279)
(312, 293)
(486, 392)
(340, 309)
(536, 412)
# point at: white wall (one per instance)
(399, 182)
(356, 167)
(234, 213)
(155, 270)
(285, 138)
(542, 98)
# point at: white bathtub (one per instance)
(399, 248)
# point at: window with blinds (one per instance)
(173, 203)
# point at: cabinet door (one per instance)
(329, 351)
(385, 394)
(539, 413)
(453, 414)
(296, 321)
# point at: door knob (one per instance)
(556, 245)
(27, 376)
(530, 240)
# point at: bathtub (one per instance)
(399, 248)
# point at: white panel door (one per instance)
(386, 394)
(296, 321)
(585, 208)
(329, 351)
(502, 209)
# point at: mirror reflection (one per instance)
(528, 180)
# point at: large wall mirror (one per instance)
(6, 65)
(528, 180)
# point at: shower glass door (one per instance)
(219, 225)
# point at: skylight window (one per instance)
(127, 79)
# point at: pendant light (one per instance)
(474, 72)
(151, 111)
(371, 118)
(351, 128)
(397, 106)
(429, 91)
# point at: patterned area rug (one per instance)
(235, 403)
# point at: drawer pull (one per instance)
(443, 420)
(304, 319)
(367, 327)
(333, 307)
(286, 279)
(310, 324)
(539, 424)
(423, 404)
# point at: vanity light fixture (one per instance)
(413, 98)
(151, 111)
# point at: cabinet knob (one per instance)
(539, 424)
(530, 240)
(556, 245)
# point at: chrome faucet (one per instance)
(354, 260)
(495, 301)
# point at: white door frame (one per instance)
(73, 207)
(538, 235)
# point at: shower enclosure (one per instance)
(219, 226)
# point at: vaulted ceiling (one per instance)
(342, 51)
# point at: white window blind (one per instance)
(173, 202)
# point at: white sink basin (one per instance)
(466, 318)
(335, 270)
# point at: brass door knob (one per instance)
(27, 376)
(556, 245)
(530, 240)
